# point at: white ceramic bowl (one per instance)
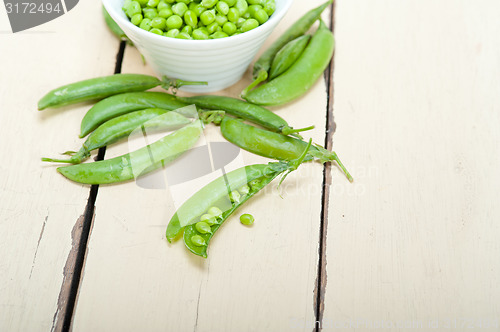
(220, 62)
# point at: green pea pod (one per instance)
(218, 192)
(115, 29)
(102, 87)
(136, 163)
(275, 146)
(240, 108)
(114, 106)
(300, 27)
(259, 183)
(287, 56)
(300, 77)
(97, 88)
(117, 128)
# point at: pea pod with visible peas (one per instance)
(105, 86)
(301, 75)
(300, 27)
(113, 106)
(117, 128)
(249, 180)
(275, 146)
(245, 110)
(136, 163)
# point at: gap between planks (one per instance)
(75, 263)
(321, 280)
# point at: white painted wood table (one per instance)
(412, 106)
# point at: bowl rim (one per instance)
(270, 24)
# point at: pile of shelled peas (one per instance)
(198, 19)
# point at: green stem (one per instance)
(294, 164)
(214, 117)
(177, 83)
(287, 131)
(346, 172)
(261, 77)
(69, 161)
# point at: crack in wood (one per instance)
(38, 245)
(321, 280)
(75, 263)
(68, 273)
(197, 310)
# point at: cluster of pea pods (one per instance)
(125, 106)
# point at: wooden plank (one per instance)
(39, 209)
(255, 279)
(413, 244)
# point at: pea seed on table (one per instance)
(247, 219)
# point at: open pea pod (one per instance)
(191, 230)
(228, 192)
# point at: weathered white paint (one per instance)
(38, 207)
(255, 279)
(414, 241)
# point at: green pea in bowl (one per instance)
(220, 62)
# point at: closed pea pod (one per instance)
(117, 128)
(97, 88)
(117, 31)
(287, 56)
(105, 86)
(124, 103)
(299, 78)
(271, 145)
(300, 27)
(136, 163)
(242, 109)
